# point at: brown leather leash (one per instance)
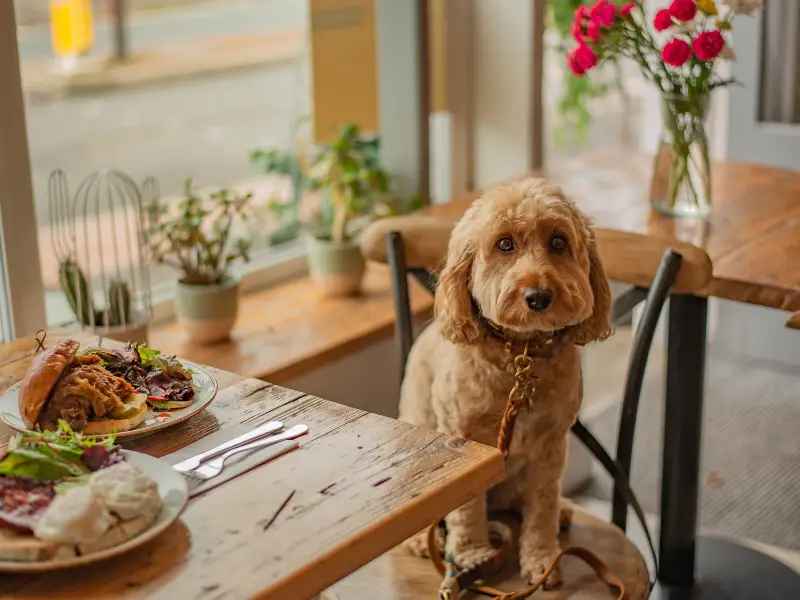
(466, 578)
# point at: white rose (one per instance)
(744, 7)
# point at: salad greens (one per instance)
(163, 378)
(60, 454)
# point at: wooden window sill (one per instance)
(289, 329)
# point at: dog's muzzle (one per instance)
(538, 299)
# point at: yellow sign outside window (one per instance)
(71, 26)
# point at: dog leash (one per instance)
(466, 578)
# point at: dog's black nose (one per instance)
(538, 298)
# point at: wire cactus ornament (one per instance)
(99, 240)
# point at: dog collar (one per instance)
(538, 344)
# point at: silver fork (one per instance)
(213, 467)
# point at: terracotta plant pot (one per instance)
(207, 313)
(336, 268)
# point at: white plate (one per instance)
(206, 389)
(174, 495)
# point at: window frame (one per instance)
(23, 289)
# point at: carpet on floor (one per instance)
(750, 470)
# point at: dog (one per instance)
(522, 266)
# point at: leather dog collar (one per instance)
(538, 344)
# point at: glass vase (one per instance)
(681, 183)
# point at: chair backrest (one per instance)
(629, 257)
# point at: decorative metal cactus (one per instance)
(99, 239)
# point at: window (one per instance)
(206, 83)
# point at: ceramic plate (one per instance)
(205, 390)
(174, 494)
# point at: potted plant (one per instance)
(197, 237)
(355, 190)
(355, 187)
(118, 318)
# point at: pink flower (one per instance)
(663, 20)
(572, 61)
(626, 10)
(683, 10)
(578, 25)
(708, 45)
(585, 57)
(581, 59)
(602, 13)
(593, 31)
(676, 52)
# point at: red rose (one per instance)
(578, 25)
(663, 20)
(573, 63)
(708, 45)
(683, 10)
(581, 59)
(593, 31)
(676, 52)
(585, 57)
(626, 10)
(602, 13)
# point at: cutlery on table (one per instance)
(212, 468)
(194, 461)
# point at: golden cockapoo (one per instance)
(522, 265)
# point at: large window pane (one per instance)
(206, 83)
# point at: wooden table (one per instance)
(362, 483)
(752, 240)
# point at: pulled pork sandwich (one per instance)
(63, 385)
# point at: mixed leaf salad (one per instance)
(37, 466)
(166, 382)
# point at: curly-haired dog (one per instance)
(522, 266)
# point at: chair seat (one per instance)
(397, 575)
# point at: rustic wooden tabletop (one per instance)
(360, 484)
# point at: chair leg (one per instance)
(656, 297)
(399, 274)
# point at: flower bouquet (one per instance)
(677, 52)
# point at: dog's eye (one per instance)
(558, 243)
(505, 244)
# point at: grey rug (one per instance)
(750, 474)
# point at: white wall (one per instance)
(502, 83)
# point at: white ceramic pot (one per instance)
(207, 313)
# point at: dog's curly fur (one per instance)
(458, 378)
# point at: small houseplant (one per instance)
(355, 188)
(676, 51)
(197, 237)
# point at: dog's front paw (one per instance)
(471, 555)
(533, 569)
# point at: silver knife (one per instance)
(193, 462)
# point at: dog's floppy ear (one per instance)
(453, 303)
(597, 326)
